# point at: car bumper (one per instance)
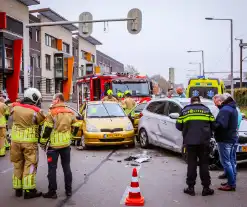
(100, 139)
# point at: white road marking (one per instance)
(11, 168)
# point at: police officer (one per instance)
(4, 115)
(196, 121)
(109, 96)
(24, 143)
(128, 103)
(57, 131)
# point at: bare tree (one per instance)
(131, 70)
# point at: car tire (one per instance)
(143, 137)
(132, 145)
(214, 163)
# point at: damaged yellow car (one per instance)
(105, 123)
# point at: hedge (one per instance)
(240, 96)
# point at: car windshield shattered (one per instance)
(104, 110)
(209, 104)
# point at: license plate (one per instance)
(112, 135)
(243, 149)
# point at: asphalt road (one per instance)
(101, 178)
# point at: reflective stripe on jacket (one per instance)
(195, 122)
(60, 119)
(26, 120)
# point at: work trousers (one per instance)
(52, 158)
(227, 153)
(195, 153)
(2, 141)
(24, 156)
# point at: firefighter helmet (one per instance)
(109, 92)
(33, 94)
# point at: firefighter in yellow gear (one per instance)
(120, 98)
(4, 115)
(109, 96)
(128, 103)
(24, 143)
(57, 135)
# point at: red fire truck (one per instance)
(94, 87)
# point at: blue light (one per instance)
(201, 76)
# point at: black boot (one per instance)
(18, 192)
(28, 194)
(207, 191)
(190, 191)
(50, 194)
(68, 193)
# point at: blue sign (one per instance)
(210, 93)
(195, 93)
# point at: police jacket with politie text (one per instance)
(195, 122)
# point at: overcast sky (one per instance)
(170, 28)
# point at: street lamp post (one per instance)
(203, 69)
(231, 27)
(200, 67)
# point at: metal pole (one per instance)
(33, 69)
(241, 63)
(200, 69)
(26, 55)
(78, 22)
(232, 86)
(203, 69)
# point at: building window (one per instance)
(8, 57)
(93, 58)
(39, 85)
(83, 54)
(76, 52)
(48, 62)
(38, 62)
(48, 85)
(65, 47)
(50, 41)
(37, 35)
(81, 71)
(73, 51)
(30, 33)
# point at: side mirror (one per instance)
(174, 115)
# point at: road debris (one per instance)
(139, 158)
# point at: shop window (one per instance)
(48, 85)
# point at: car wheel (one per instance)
(137, 139)
(132, 145)
(214, 162)
(143, 137)
(72, 143)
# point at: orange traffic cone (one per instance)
(134, 198)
